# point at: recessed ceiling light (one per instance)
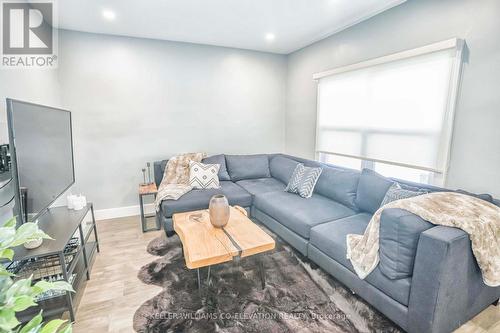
(108, 14)
(270, 37)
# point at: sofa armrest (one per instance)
(446, 282)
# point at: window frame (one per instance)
(433, 178)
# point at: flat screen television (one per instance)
(41, 151)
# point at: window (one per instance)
(346, 162)
(393, 114)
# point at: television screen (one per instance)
(42, 154)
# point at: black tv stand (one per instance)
(68, 256)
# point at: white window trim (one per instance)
(455, 78)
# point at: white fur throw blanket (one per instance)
(175, 181)
(478, 218)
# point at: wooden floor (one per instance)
(113, 293)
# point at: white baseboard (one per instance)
(113, 213)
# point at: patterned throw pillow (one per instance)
(303, 180)
(202, 176)
(398, 192)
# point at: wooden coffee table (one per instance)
(204, 245)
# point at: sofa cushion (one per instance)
(199, 199)
(371, 190)
(282, 168)
(261, 185)
(398, 239)
(247, 166)
(299, 214)
(339, 185)
(330, 238)
(221, 160)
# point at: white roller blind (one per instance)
(399, 111)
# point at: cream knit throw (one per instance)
(175, 181)
(478, 218)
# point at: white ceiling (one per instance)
(232, 23)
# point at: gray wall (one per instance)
(34, 85)
(475, 156)
(137, 100)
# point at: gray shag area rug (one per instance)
(298, 296)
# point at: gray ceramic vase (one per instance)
(219, 210)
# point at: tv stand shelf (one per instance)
(68, 256)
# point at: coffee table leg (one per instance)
(262, 271)
(208, 275)
(199, 280)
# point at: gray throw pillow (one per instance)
(398, 192)
(303, 180)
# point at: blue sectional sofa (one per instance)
(427, 279)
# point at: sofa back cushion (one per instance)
(247, 166)
(339, 185)
(398, 239)
(282, 168)
(221, 160)
(484, 196)
(159, 169)
(371, 190)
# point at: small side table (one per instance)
(144, 190)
